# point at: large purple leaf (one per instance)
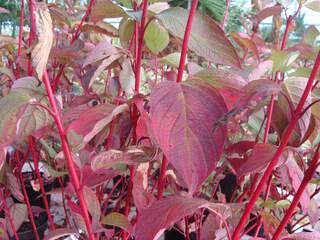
(183, 118)
(164, 213)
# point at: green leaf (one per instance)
(283, 203)
(126, 29)
(311, 35)
(156, 37)
(282, 59)
(207, 39)
(313, 5)
(118, 220)
(55, 173)
(172, 59)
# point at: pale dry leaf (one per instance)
(41, 51)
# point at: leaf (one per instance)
(14, 186)
(172, 59)
(41, 51)
(59, 233)
(3, 10)
(293, 88)
(227, 83)
(246, 43)
(302, 236)
(296, 175)
(102, 9)
(311, 35)
(101, 27)
(313, 5)
(19, 214)
(186, 137)
(282, 59)
(260, 70)
(59, 15)
(93, 205)
(118, 220)
(91, 122)
(207, 39)
(164, 213)
(267, 12)
(130, 156)
(142, 198)
(127, 77)
(156, 37)
(215, 8)
(104, 64)
(260, 158)
(101, 51)
(126, 29)
(18, 117)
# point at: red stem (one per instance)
(68, 155)
(184, 48)
(74, 38)
(32, 34)
(25, 194)
(20, 36)
(8, 215)
(140, 46)
(281, 148)
(306, 179)
(43, 191)
(162, 177)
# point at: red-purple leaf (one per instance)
(296, 175)
(164, 213)
(302, 236)
(99, 52)
(91, 122)
(267, 12)
(183, 117)
(260, 158)
(19, 214)
(93, 206)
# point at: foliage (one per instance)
(163, 122)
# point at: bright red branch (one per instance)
(281, 148)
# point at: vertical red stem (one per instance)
(20, 36)
(184, 48)
(140, 46)
(30, 213)
(74, 38)
(43, 191)
(306, 179)
(281, 148)
(68, 155)
(32, 34)
(8, 216)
